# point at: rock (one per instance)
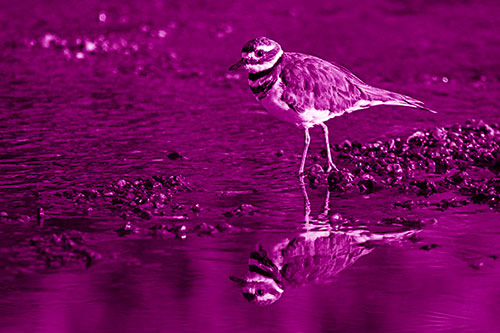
(204, 229)
(242, 210)
(126, 229)
(429, 247)
(224, 227)
(424, 187)
(410, 222)
(196, 208)
(174, 156)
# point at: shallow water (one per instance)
(97, 92)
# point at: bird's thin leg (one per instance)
(331, 165)
(307, 204)
(326, 205)
(307, 140)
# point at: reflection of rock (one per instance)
(315, 257)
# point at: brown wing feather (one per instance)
(311, 82)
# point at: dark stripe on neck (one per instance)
(258, 270)
(258, 75)
(263, 88)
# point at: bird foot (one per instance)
(341, 175)
(331, 167)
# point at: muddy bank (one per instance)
(462, 160)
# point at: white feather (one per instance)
(266, 48)
(256, 68)
(363, 104)
(267, 280)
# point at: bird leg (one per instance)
(307, 203)
(304, 155)
(331, 165)
(326, 206)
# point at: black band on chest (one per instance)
(264, 87)
(256, 76)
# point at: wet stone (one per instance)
(204, 229)
(170, 230)
(121, 183)
(340, 180)
(410, 222)
(428, 247)
(424, 187)
(223, 226)
(143, 198)
(126, 229)
(174, 156)
(452, 203)
(315, 176)
(242, 210)
(367, 184)
(24, 219)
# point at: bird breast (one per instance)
(277, 107)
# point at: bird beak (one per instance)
(239, 281)
(238, 65)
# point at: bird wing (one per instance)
(312, 83)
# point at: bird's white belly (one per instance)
(311, 117)
(277, 108)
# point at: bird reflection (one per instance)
(314, 256)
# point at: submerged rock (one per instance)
(428, 247)
(144, 198)
(183, 231)
(174, 156)
(242, 210)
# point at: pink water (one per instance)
(93, 92)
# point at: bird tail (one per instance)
(379, 96)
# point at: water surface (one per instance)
(95, 92)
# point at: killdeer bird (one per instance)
(306, 90)
(313, 257)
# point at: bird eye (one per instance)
(259, 53)
(260, 292)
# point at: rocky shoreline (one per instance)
(460, 161)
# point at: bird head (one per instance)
(258, 55)
(263, 283)
(258, 289)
